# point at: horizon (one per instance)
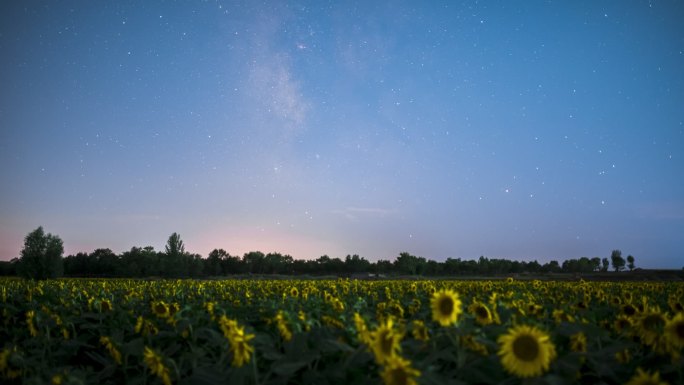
(528, 131)
(371, 259)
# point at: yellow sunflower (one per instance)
(650, 326)
(578, 342)
(294, 292)
(160, 309)
(482, 314)
(446, 307)
(105, 305)
(645, 378)
(398, 371)
(385, 341)
(526, 351)
(155, 363)
(674, 331)
(419, 331)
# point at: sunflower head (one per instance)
(294, 292)
(642, 377)
(446, 307)
(419, 331)
(650, 326)
(399, 371)
(674, 331)
(105, 305)
(385, 341)
(481, 312)
(160, 309)
(578, 342)
(526, 351)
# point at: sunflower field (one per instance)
(112, 331)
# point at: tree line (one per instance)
(41, 258)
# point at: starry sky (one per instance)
(522, 130)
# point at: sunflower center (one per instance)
(629, 310)
(446, 305)
(679, 330)
(399, 377)
(526, 348)
(481, 312)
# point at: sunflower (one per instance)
(629, 310)
(578, 342)
(105, 305)
(623, 356)
(622, 324)
(283, 328)
(674, 331)
(474, 345)
(398, 371)
(30, 323)
(645, 378)
(649, 325)
(446, 307)
(160, 309)
(482, 314)
(385, 341)
(113, 351)
(156, 365)
(419, 331)
(239, 345)
(526, 351)
(361, 329)
(294, 292)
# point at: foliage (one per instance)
(41, 257)
(111, 331)
(616, 260)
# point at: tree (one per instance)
(407, 263)
(175, 263)
(605, 264)
(630, 262)
(617, 261)
(174, 245)
(41, 257)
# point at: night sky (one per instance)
(521, 130)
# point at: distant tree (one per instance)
(254, 262)
(605, 264)
(617, 261)
(356, 264)
(175, 264)
(41, 257)
(174, 245)
(595, 264)
(212, 265)
(630, 262)
(382, 266)
(407, 263)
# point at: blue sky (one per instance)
(523, 130)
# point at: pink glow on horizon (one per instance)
(240, 240)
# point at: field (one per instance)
(340, 331)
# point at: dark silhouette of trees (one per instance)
(630, 262)
(617, 261)
(41, 257)
(605, 264)
(175, 264)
